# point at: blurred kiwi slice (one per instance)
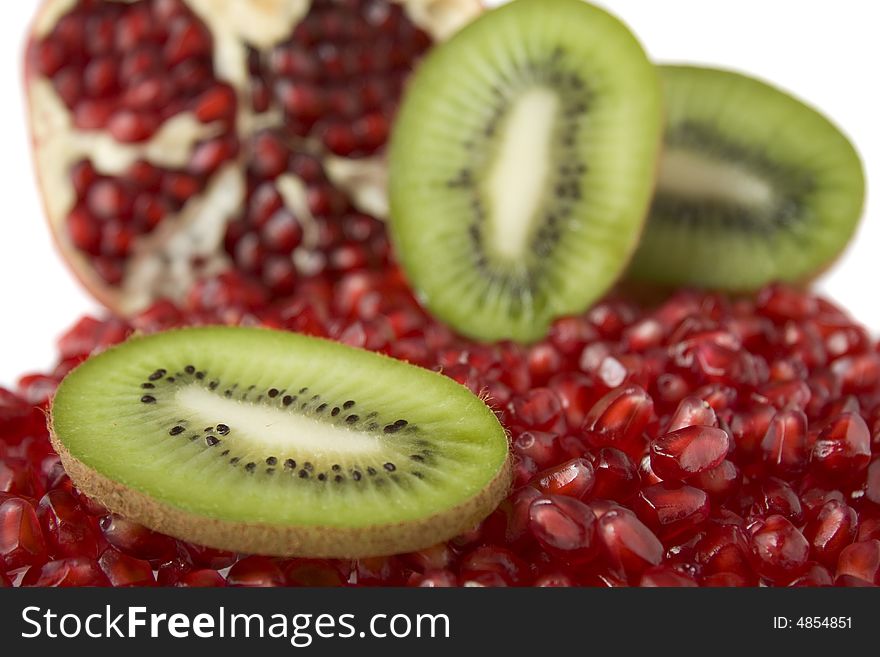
(522, 166)
(754, 186)
(269, 442)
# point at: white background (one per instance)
(826, 51)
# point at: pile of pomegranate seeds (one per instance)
(704, 442)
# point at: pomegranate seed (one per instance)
(136, 540)
(204, 578)
(379, 571)
(858, 374)
(75, 571)
(617, 478)
(725, 548)
(689, 451)
(619, 418)
(574, 478)
(872, 490)
(69, 530)
(833, 528)
(784, 446)
(692, 411)
(21, 538)
(630, 547)
(773, 496)
(538, 409)
(861, 560)
(255, 572)
(843, 449)
(495, 561)
(779, 550)
(123, 570)
(565, 528)
(666, 576)
(815, 575)
(672, 510)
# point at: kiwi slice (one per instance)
(274, 443)
(522, 165)
(754, 186)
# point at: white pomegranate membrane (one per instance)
(168, 133)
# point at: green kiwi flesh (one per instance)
(754, 186)
(270, 442)
(522, 165)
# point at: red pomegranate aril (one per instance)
(129, 126)
(4, 581)
(541, 447)
(616, 476)
(861, 560)
(721, 482)
(577, 394)
(666, 577)
(123, 570)
(629, 546)
(833, 528)
(69, 531)
(858, 374)
(17, 477)
(872, 487)
(815, 575)
(565, 528)
(672, 510)
(690, 412)
(136, 540)
(74, 571)
(784, 447)
(216, 104)
(843, 448)
(780, 552)
(203, 578)
(538, 409)
(725, 548)
(21, 538)
(255, 572)
(786, 394)
(749, 427)
(619, 418)
(853, 582)
(575, 478)
(493, 560)
(781, 303)
(379, 571)
(773, 496)
(84, 231)
(688, 452)
(571, 334)
(433, 579)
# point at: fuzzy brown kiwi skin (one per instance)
(279, 540)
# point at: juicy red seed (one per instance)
(136, 540)
(629, 546)
(666, 576)
(672, 510)
(784, 447)
(255, 572)
(541, 447)
(619, 418)
(861, 560)
(833, 528)
(858, 374)
(575, 478)
(21, 538)
(539, 409)
(688, 452)
(843, 448)
(204, 578)
(721, 483)
(725, 548)
(75, 571)
(772, 496)
(781, 303)
(749, 427)
(780, 552)
(690, 412)
(815, 575)
(434, 579)
(872, 489)
(70, 532)
(493, 560)
(617, 477)
(123, 570)
(565, 528)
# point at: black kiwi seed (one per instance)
(200, 375)
(347, 405)
(290, 464)
(190, 369)
(356, 475)
(270, 471)
(371, 471)
(170, 379)
(303, 474)
(351, 419)
(250, 467)
(417, 457)
(288, 400)
(158, 374)
(321, 408)
(271, 461)
(390, 467)
(213, 385)
(336, 410)
(147, 386)
(322, 477)
(176, 431)
(338, 479)
(303, 391)
(234, 460)
(308, 466)
(336, 467)
(222, 429)
(225, 452)
(148, 399)
(209, 429)
(211, 441)
(272, 392)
